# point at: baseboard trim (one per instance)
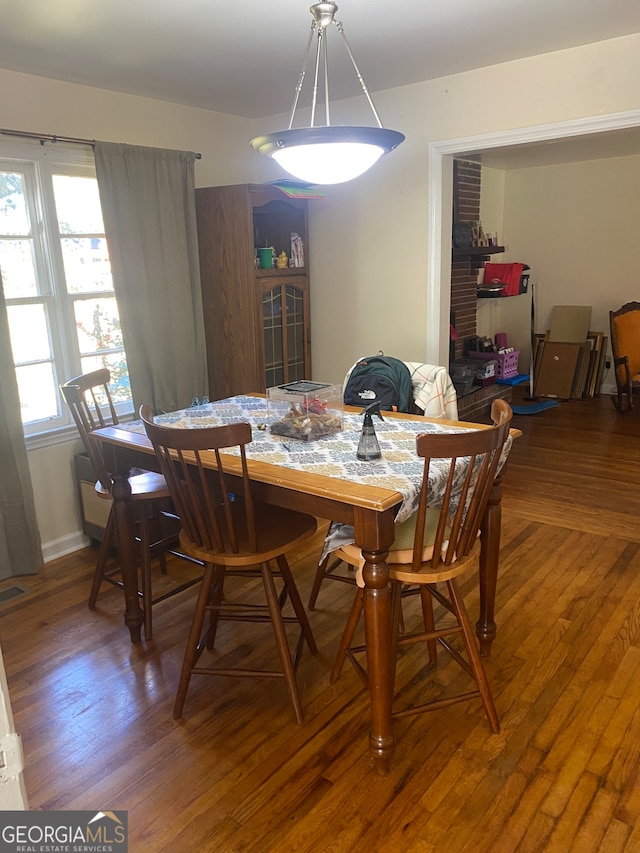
(64, 545)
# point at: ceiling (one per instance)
(244, 58)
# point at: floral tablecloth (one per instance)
(399, 469)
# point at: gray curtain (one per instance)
(20, 552)
(148, 203)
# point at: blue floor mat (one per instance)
(514, 380)
(534, 408)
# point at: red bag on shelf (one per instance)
(508, 273)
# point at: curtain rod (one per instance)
(53, 137)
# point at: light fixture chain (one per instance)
(325, 44)
(319, 54)
(301, 77)
(357, 70)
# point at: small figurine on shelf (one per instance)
(297, 250)
(282, 261)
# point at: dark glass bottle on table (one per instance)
(368, 447)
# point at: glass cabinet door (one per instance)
(285, 320)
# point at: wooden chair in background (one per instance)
(89, 399)
(232, 535)
(625, 347)
(432, 548)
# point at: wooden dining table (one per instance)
(304, 480)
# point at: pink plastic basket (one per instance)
(507, 362)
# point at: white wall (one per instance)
(492, 201)
(368, 239)
(575, 224)
(41, 105)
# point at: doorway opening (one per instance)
(439, 201)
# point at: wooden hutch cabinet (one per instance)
(256, 320)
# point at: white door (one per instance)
(13, 796)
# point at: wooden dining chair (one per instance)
(91, 404)
(232, 534)
(433, 396)
(433, 548)
(625, 347)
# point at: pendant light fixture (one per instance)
(327, 154)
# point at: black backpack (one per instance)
(382, 378)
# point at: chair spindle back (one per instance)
(206, 500)
(89, 400)
(463, 507)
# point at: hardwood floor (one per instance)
(237, 774)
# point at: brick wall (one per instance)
(467, 181)
(466, 191)
(476, 407)
(463, 301)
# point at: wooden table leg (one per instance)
(377, 622)
(489, 561)
(128, 553)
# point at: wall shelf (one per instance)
(485, 295)
(476, 251)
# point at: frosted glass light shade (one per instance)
(328, 163)
(328, 155)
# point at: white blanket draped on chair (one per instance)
(433, 390)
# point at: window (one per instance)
(63, 316)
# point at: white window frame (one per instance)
(39, 162)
